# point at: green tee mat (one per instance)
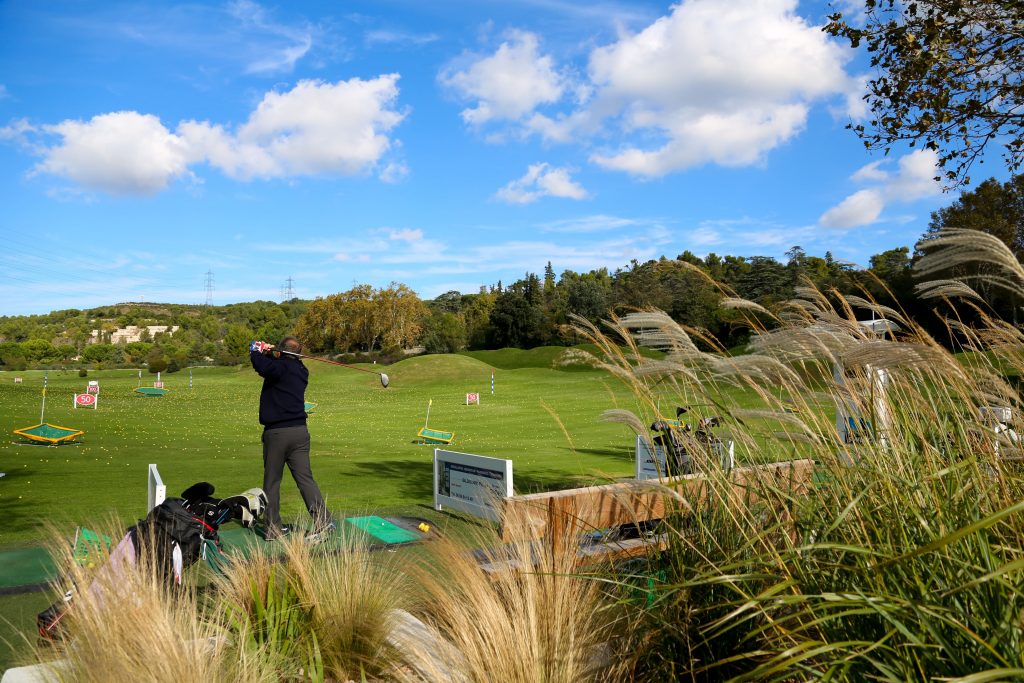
(48, 433)
(26, 567)
(26, 570)
(432, 436)
(382, 529)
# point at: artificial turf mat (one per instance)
(382, 529)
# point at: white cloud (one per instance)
(315, 128)
(711, 82)
(406, 235)
(720, 83)
(705, 236)
(508, 84)
(120, 153)
(345, 257)
(541, 180)
(393, 37)
(860, 208)
(393, 172)
(274, 57)
(595, 223)
(915, 178)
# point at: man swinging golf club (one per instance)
(285, 436)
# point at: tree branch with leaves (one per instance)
(950, 77)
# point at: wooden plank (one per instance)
(558, 514)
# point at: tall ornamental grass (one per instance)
(905, 560)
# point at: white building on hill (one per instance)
(133, 333)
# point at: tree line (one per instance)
(535, 310)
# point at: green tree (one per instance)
(156, 361)
(39, 351)
(98, 353)
(12, 356)
(949, 75)
(992, 207)
(136, 352)
(443, 333)
(236, 341)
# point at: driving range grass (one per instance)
(364, 450)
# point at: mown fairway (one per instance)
(364, 452)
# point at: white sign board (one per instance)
(649, 465)
(649, 468)
(86, 401)
(471, 483)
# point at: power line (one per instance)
(290, 293)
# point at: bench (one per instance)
(560, 516)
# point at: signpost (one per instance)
(471, 483)
(93, 388)
(473, 398)
(87, 401)
(155, 488)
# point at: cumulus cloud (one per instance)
(860, 208)
(720, 83)
(121, 153)
(316, 128)
(508, 84)
(914, 178)
(711, 82)
(541, 180)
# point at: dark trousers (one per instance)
(289, 446)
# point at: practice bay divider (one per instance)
(482, 486)
(558, 515)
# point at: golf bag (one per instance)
(670, 438)
(172, 537)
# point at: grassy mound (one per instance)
(546, 357)
(437, 367)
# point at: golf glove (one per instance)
(260, 347)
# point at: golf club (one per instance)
(383, 377)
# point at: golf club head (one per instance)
(384, 381)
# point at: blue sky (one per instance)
(445, 145)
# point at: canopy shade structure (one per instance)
(151, 391)
(48, 433)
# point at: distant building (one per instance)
(133, 333)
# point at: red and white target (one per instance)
(158, 385)
(473, 398)
(86, 400)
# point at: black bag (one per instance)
(177, 522)
(167, 525)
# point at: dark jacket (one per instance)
(283, 398)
